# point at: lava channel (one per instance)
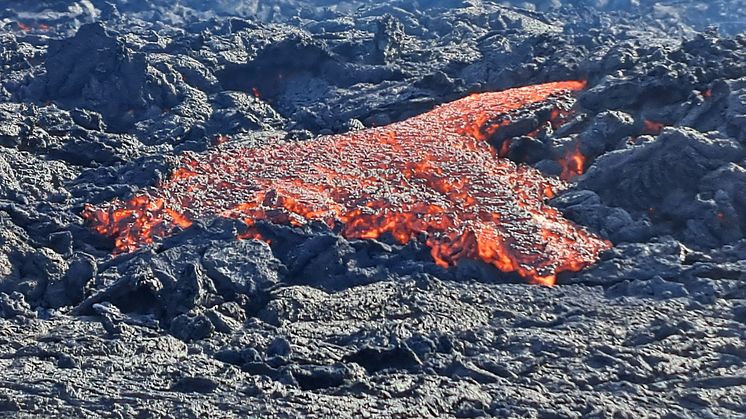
(433, 177)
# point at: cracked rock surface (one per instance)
(98, 99)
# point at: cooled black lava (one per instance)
(100, 101)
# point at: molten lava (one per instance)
(430, 177)
(30, 27)
(573, 164)
(653, 127)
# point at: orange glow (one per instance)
(431, 177)
(504, 148)
(255, 92)
(652, 127)
(707, 93)
(573, 164)
(29, 27)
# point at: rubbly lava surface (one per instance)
(432, 175)
(121, 99)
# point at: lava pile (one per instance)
(432, 177)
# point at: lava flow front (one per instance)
(431, 177)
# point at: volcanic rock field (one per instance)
(427, 208)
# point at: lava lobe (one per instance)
(433, 177)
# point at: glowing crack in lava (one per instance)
(432, 177)
(573, 164)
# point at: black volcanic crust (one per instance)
(98, 99)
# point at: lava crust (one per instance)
(430, 174)
(177, 126)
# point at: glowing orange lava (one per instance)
(431, 177)
(30, 27)
(652, 127)
(573, 164)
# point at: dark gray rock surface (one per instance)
(99, 98)
(411, 347)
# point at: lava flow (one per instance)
(430, 177)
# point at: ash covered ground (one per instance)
(99, 99)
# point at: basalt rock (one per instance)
(105, 101)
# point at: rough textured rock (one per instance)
(100, 98)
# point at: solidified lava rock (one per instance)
(113, 72)
(107, 101)
(662, 177)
